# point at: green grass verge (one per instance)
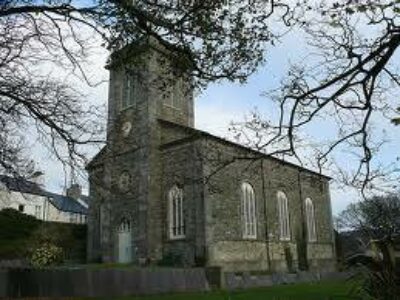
(339, 290)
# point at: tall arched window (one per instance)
(129, 90)
(310, 220)
(124, 226)
(176, 216)
(249, 212)
(284, 223)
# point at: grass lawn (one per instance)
(323, 290)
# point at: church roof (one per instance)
(196, 133)
(61, 202)
(97, 158)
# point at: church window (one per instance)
(310, 221)
(125, 226)
(174, 93)
(129, 92)
(176, 215)
(249, 212)
(284, 224)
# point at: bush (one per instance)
(21, 235)
(380, 276)
(171, 260)
(47, 254)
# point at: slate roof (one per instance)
(22, 185)
(67, 204)
(61, 202)
(196, 133)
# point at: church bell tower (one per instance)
(148, 83)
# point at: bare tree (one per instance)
(32, 36)
(222, 39)
(350, 80)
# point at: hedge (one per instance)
(19, 233)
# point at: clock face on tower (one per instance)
(126, 128)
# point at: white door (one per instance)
(124, 242)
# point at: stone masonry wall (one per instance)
(179, 168)
(267, 176)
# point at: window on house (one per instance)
(310, 221)
(129, 91)
(176, 214)
(72, 218)
(38, 211)
(21, 207)
(283, 209)
(249, 212)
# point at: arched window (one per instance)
(310, 220)
(176, 216)
(284, 224)
(249, 212)
(130, 89)
(124, 226)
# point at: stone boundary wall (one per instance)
(100, 283)
(243, 280)
(118, 282)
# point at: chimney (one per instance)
(74, 191)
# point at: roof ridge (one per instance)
(207, 134)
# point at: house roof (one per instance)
(20, 184)
(196, 133)
(67, 204)
(61, 202)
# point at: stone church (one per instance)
(166, 193)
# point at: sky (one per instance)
(216, 107)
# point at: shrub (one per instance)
(171, 260)
(380, 276)
(46, 255)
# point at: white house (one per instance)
(31, 198)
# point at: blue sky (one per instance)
(222, 103)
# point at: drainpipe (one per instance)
(264, 192)
(303, 243)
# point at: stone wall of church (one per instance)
(225, 169)
(93, 242)
(181, 169)
(229, 167)
(119, 193)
